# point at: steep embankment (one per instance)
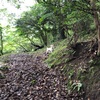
(81, 65)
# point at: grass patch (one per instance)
(60, 55)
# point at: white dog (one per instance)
(50, 50)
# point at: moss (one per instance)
(4, 68)
(59, 56)
(33, 82)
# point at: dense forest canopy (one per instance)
(48, 21)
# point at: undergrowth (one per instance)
(59, 55)
(4, 58)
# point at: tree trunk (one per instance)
(62, 34)
(75, 35)
(96, 21)
(44, 38)
(1, 43)
(99, 39)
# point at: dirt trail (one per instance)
(30, 79)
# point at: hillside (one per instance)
(80, 65)
(68, 73)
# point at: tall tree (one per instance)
(96, 20)
(56, 10)
(33, 26)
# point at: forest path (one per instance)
(28, 78)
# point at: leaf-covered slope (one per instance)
(81, 66)
(28, 78)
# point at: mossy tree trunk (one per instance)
(96, 21)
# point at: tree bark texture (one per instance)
(96, 21)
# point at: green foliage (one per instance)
(33, 82)
(55, 58)
(31, 25)
(45, 17)
(94, 62)
(59, 55)
(70, 74)
(4, 68)
(77, 86)
(48, 21)
(69, 13)
(74, 86)
(16, 3)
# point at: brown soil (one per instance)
(84, 53)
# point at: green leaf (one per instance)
(44, 17)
